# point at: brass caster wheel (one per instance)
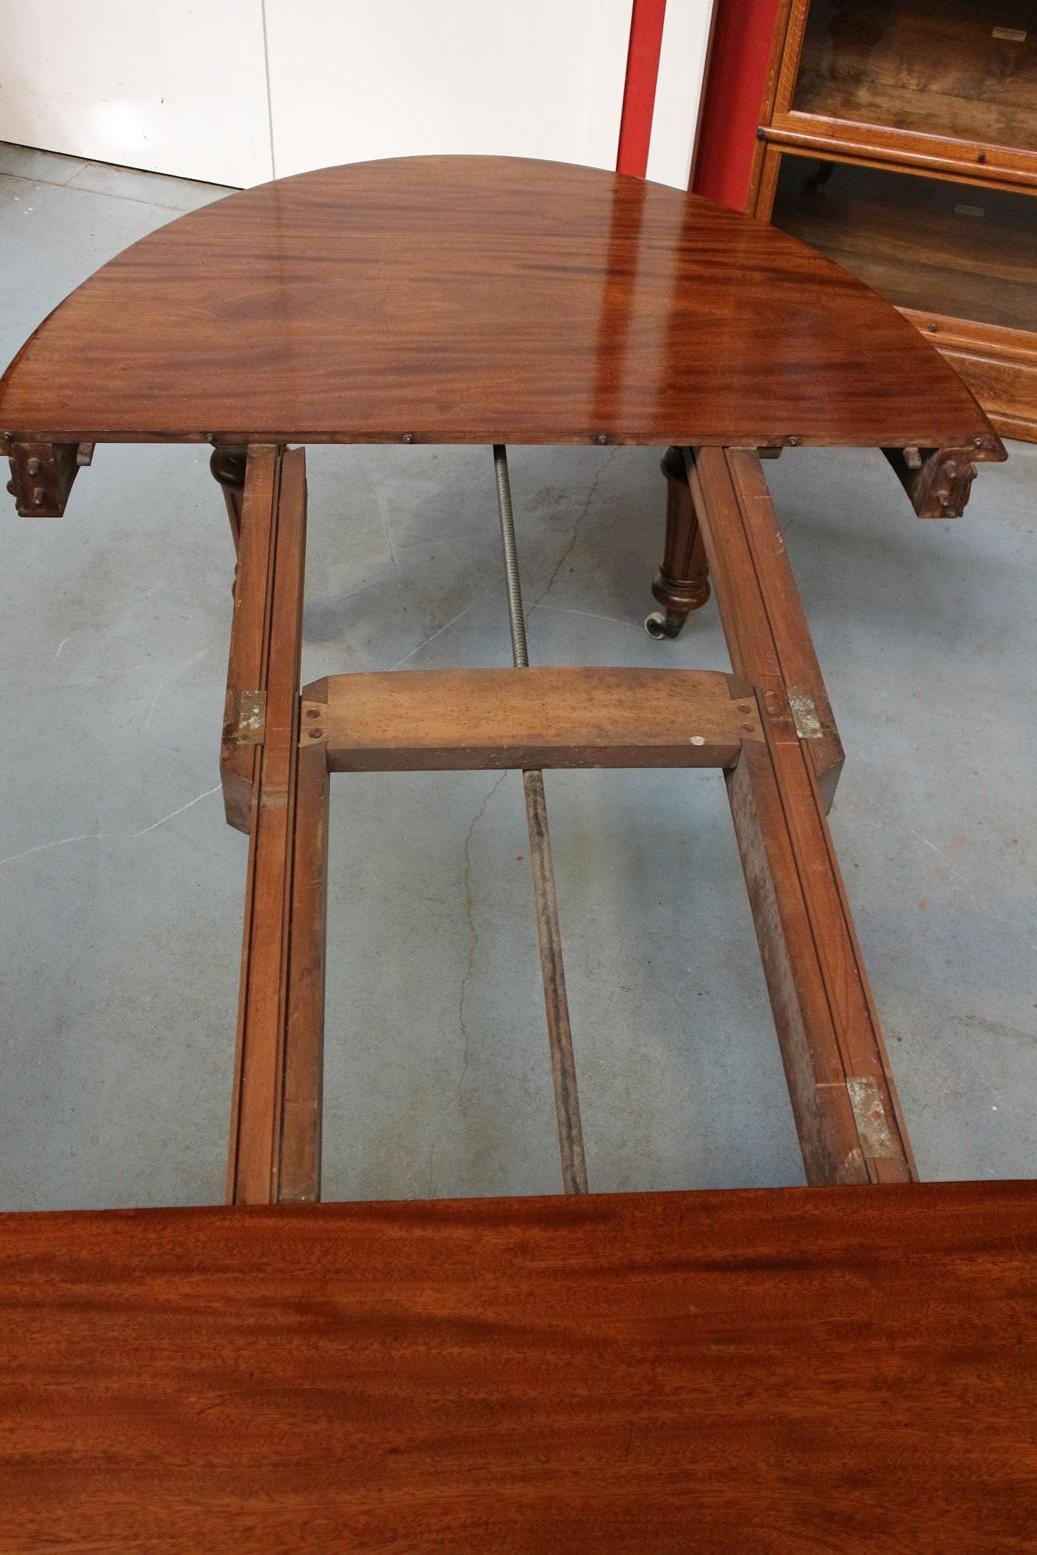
(661, 624)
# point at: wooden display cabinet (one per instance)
(900, 138)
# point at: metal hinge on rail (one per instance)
(804, 714)
(877, 1138)
(244, 718)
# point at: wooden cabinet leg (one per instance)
(682, 582)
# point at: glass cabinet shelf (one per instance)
(939, 246)
(965, 69)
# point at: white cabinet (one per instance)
(239, 91)
(173, 86)
(399, 78)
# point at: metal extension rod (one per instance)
(559, 1031)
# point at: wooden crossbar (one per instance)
(428, 720)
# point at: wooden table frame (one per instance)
(583, 1372)
(496, 300)
(768, 727)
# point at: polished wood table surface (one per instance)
(486, 300)
(843, 1370)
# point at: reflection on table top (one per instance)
(479, 299)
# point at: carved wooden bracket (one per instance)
(938, 480)
(42, 475)
(227, 466)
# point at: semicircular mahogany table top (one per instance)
(480, 299)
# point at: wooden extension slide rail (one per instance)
(279, 748)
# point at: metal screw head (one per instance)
(408, 437)
(602, 437)
(793, 442)
(315, 734)
(33, 467)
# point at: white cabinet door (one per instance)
(678, 91)
(173, 86)
(238, 91)
(357, 79)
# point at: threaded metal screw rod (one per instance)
(512, 580)
(559, 1031)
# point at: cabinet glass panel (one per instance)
(926, 243)
(962, 68)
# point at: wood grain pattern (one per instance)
(248, 652)
(429, 720)
(765, 625)
(861, 62)
(280, 1003)
(300, 1126)
(463, 299)
(844, 1102)
(843, 1098)
(999, 365)
(928, 90)
(846, 1371)
(964, 250)
(1000, 166)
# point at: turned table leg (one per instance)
(682, 582)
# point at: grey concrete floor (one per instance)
(121, 888)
